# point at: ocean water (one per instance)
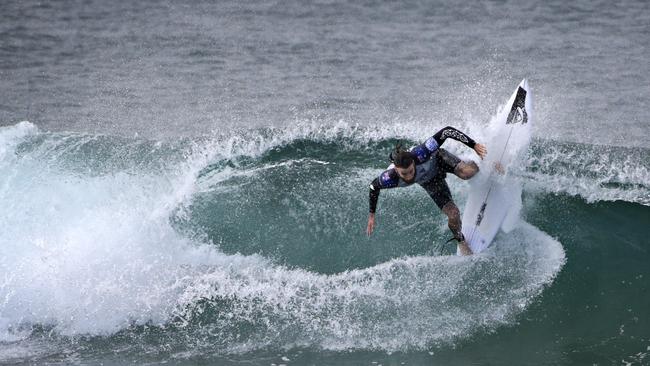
(186, 183)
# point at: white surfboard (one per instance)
(494, 200)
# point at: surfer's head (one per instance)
(404, 163)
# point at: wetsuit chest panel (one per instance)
(424, 172)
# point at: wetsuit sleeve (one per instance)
(435, 141)
(387, 179)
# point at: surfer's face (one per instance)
(407, 174)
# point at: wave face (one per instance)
(255, 241)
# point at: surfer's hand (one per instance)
(371, 224)
(481, 150)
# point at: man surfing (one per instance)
(427, 164)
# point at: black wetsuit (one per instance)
(431, 167)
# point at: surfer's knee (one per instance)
(466, 170)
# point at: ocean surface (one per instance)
(187, 183)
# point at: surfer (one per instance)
(427, 164)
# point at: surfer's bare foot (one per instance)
(464, 248)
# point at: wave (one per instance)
(406, 303)
(252, 240)
(593, 172)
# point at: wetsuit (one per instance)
(431, 167)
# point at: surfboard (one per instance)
(494, 200)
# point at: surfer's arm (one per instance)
(435, 141)
(374, 195)
(387, 179)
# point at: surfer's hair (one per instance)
(400, 157)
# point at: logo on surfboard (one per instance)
(479, 217)
(518, 112)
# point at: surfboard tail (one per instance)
(474, 238)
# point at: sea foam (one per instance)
(96, 253)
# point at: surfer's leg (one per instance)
(456, 226)
(466, 169)
(453, 219)
(439, 191)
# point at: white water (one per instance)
(96, 254)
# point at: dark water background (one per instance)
(192, 184)
(165, 69)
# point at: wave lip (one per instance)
(595, 173)
(12, 135)
(592, 172)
